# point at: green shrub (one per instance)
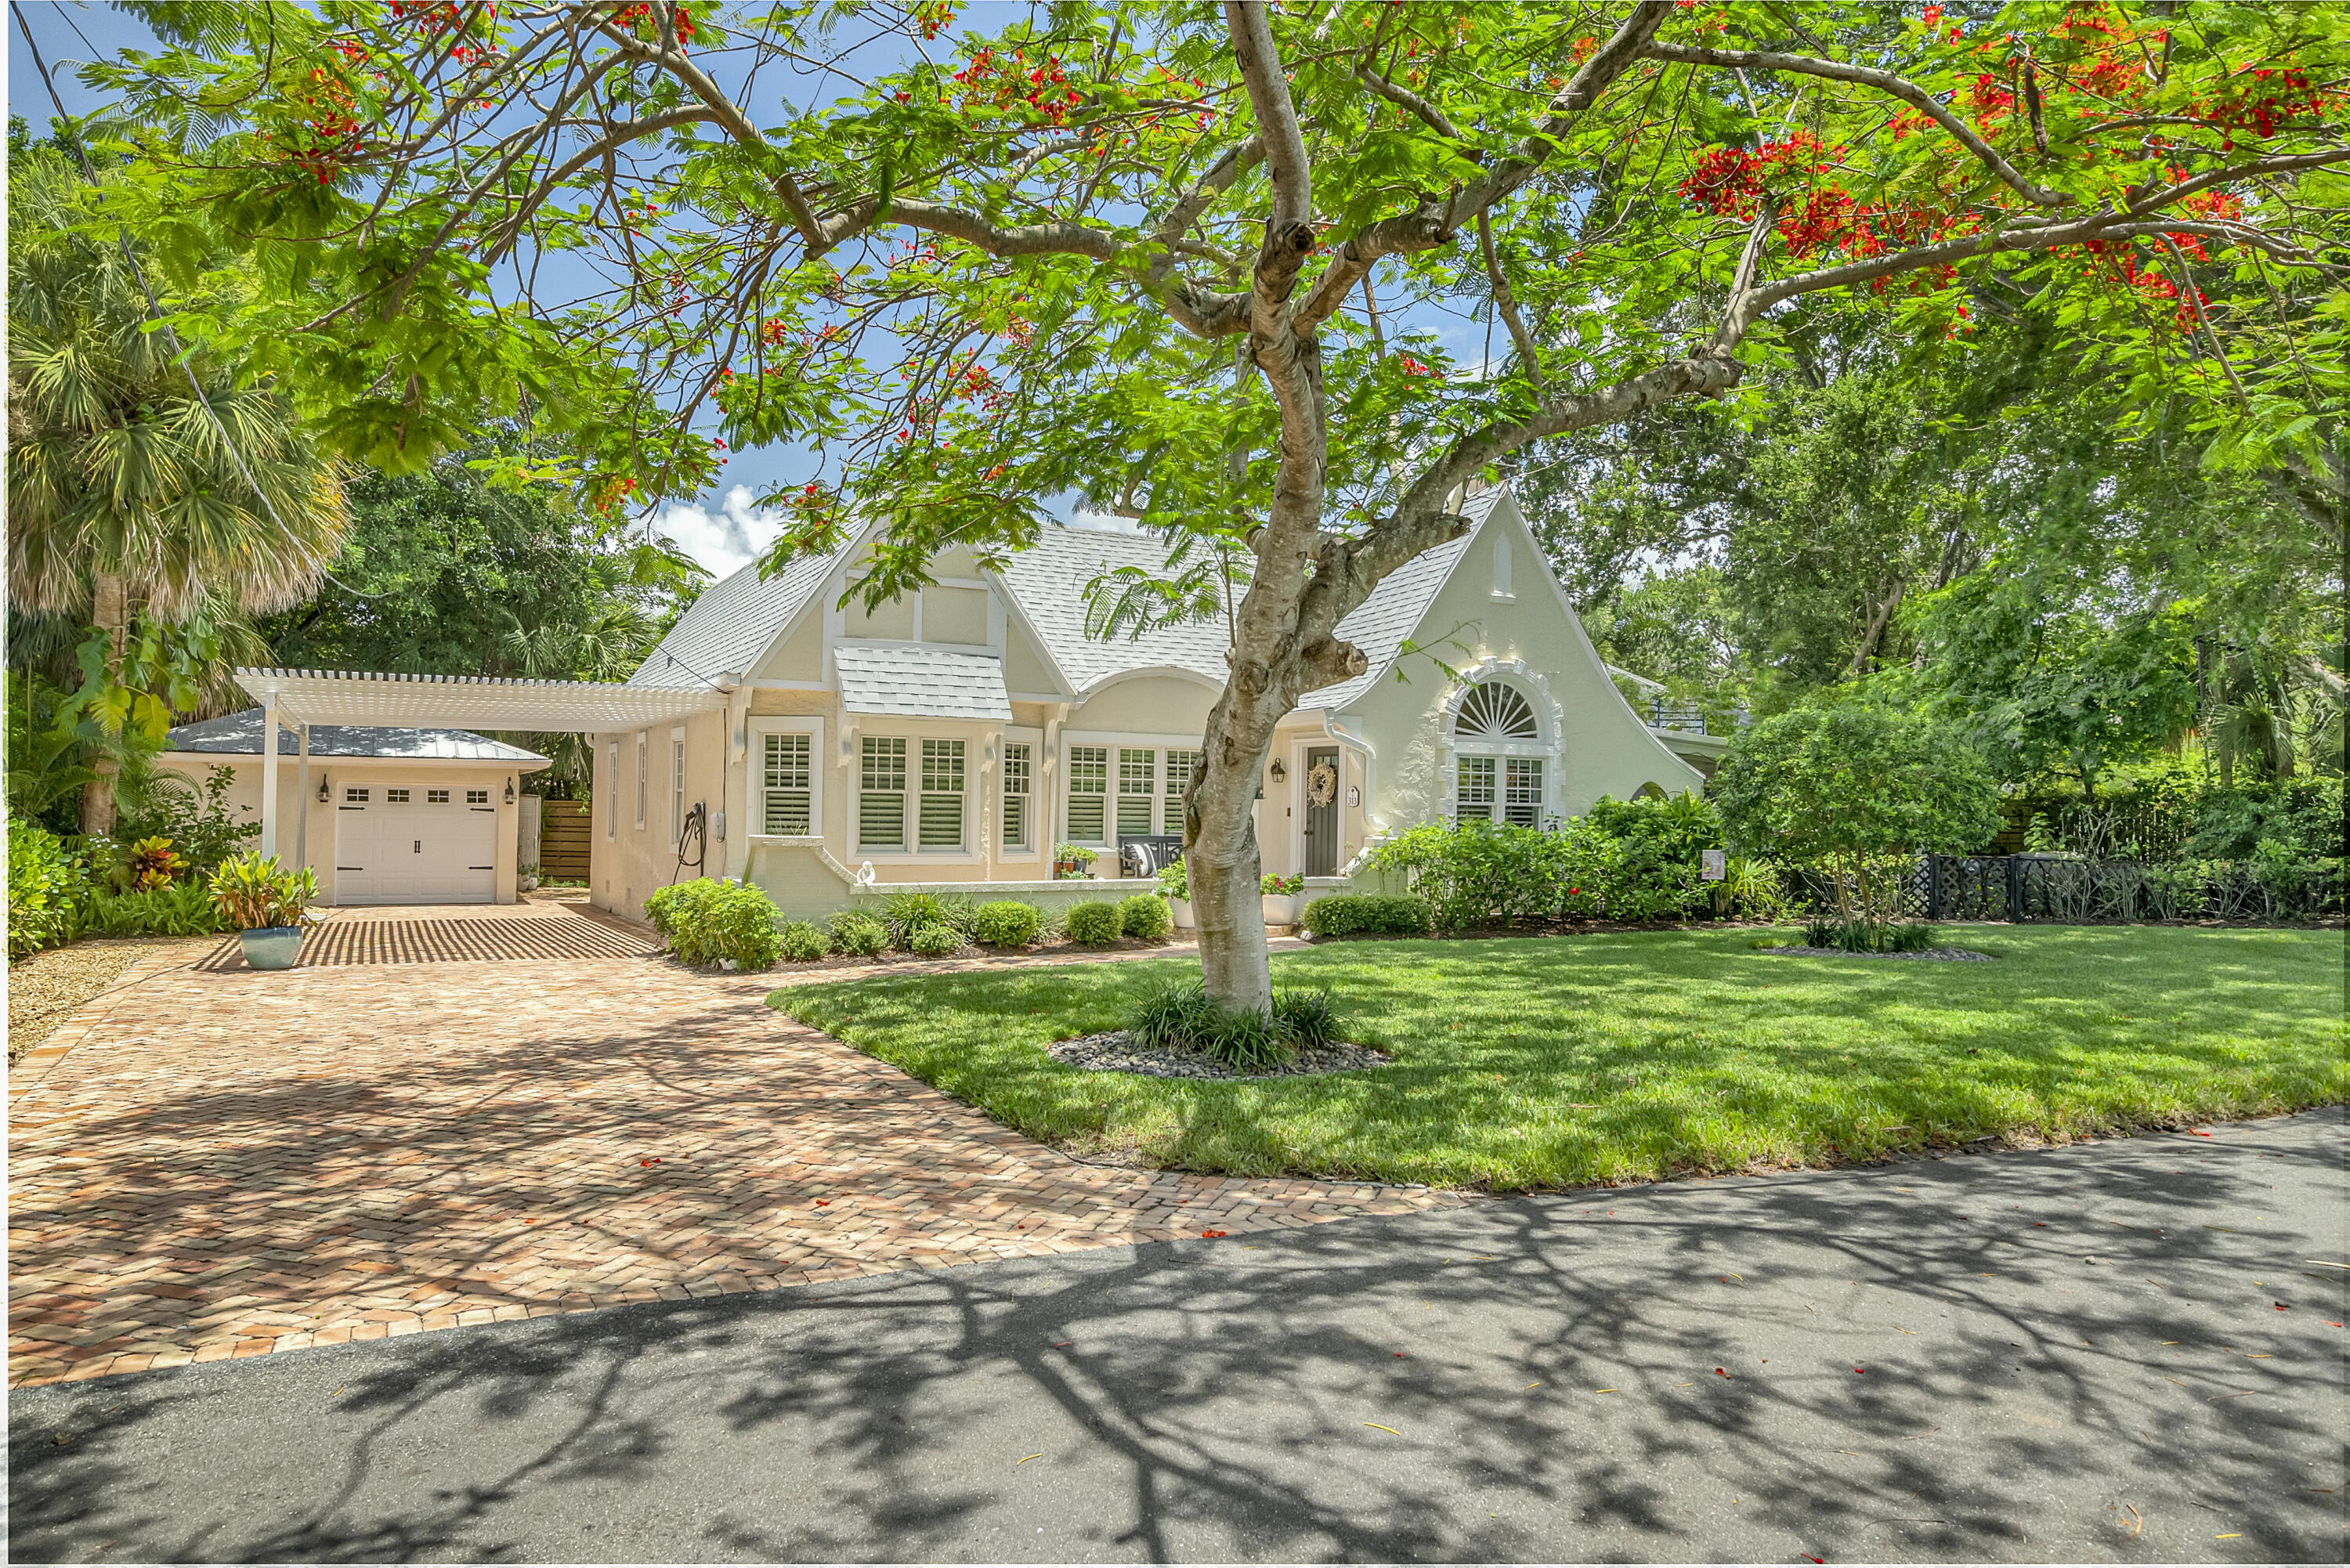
(251, 893)
(201, 822)
(858, 932)
(1096, 925)
(709, 922)
(1857, 790)
(181, 909)
(1007, 923)
(1145, 917)
(45, 886)
(904, 913)
(932, 939)
(1174, 882)
(1366, 914)
(803, 942)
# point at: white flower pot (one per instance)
(1181, 910)
(1279, 908)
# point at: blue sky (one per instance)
(722, 528)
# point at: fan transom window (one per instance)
(1494, 712)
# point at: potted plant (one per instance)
(1175, 887)
(1280, 897)
(526, 877)
(265, 902)
(1071, 862)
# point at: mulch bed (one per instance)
(45, 989)
(1116, 1052)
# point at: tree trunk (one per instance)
(110, 611)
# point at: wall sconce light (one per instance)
(509, 792)
(1279, 772)
(323, 795)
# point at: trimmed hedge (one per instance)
(1007, 923)
(1362, 915)
(1145, 916)
(1096, 924)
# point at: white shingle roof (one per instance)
(921, 682)
(731, 624)
(1049, 580)
(1379, 625)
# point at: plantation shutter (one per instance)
(1137, 790)
(1179, 779)
(1522, 793)
(1475, 796)
(1089, 783)
(1017, 775)
(941, 811)
(786, 781)
(881, 800)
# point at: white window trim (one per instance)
(1548, 745)
(1039, 806)
(812, 728)
(644, 773)
(1115, 741)
(612, 790)
(677, 785)
(911, 853)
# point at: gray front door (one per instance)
(1322, 821)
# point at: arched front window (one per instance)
(1496, 744)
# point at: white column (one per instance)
(302, 801)
(269, 774)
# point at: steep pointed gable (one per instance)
(1382, 624)
(733, 625)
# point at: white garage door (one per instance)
(415, 844)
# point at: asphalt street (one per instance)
(2124, 1351)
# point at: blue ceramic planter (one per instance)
(271, 947)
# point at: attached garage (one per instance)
(387, 815)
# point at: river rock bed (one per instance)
(1116, 1052)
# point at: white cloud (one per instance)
(724, 542)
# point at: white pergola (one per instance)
(308, 697)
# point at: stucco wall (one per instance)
(1606, 749)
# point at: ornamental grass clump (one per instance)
(1869, 936)
(1182, 1017)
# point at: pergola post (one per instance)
(269, 775)
(302, 801)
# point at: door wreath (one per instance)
(1321, 784)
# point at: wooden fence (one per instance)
(563, 829)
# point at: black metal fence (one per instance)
(2069, 891)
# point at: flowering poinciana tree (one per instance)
(1183, 260)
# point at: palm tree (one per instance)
(125, 498)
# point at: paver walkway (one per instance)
(210, 1163)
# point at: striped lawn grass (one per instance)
(1547, 1062)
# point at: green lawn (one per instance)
(1552, 1062)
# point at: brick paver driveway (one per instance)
(214, 1162)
